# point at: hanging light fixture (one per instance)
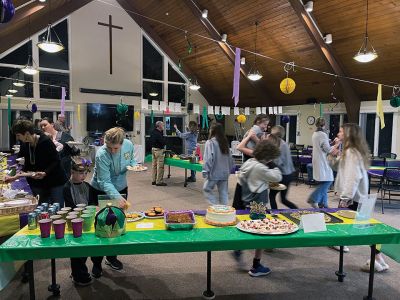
(18, 82)
(9, 95)
(153, 94)
(194, 85)
(12, 91)
(47, 44)
(254, 74)
(365, 55)
(30, 67)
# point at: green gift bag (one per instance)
(110, 222)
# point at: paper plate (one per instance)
(73, 143)
(136, 169)
(17, 202)
(155, 217)
(141, 216)
(349, 214)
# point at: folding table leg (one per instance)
(208, 294)
(371, 274)
(340, 274)
(169, 171)
(25, 274)
(54, 287)
(29, 267)
(185, 184)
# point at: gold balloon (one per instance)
(288, 85)
(241, 119)
(136, 115)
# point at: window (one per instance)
(6, 84)
(177, 93)
(19, 56)
(291, 132)
(370, 131)
(53, 78)
(47, 114)
(152, 91)
(334, 125)
(385, 135)
(57, 60)
(152, 62)
(173, 76)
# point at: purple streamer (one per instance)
(63, 94)
(236, 77)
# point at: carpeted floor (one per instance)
(299, 273)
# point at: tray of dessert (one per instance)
(156, 212)
(267, 226)
(295, 216)
(134, 216)
(137, 168)
(179, 220)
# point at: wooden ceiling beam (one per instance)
(351, 99)
(132, 10)
(261, 93)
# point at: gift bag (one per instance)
(110, 222)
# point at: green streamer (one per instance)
(9, 111)
(152, 119)
(321, 109)
(204, 123)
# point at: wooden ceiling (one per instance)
(281, 35)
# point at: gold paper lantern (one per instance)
(136, 115)
(288, 85)
(241, 119)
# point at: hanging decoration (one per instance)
(189, 44)
(333, 96)
(379, 106)
(321, 109)
(31, 106)
(7, 11)
(236, 77)
(152, 119)
(285, 119)
(241, 119)
(122, 110)
(79, 113)
(395, 100)
(9, 111)
(288, 85)
(180, 66)
(136, 115)
(204, 123)
(219, 116)
(63, 94)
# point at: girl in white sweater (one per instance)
(352, 179)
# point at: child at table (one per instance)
(78, 191)
(254, 176)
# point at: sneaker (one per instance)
(153, 183)
(378, 267)
(190, 179)
(345, 248)
(238, 257)
(161, 184)
(82, 281)
(114, 263)
(97, 271)
(259, 271)
(382, 262)
(312, 203)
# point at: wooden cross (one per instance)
(110, 28)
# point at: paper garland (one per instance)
(236, 77)
(205, 117)
(79, 113)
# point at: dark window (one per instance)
(345, 119)
(370, 131)
(15, 73)
(152, 91)
(334, 125)
(57, 60)
(18, 56)
(385, 135)
(177, 93)
(292, 129)
(152, 62)
(52, 78)
(46, 114)
(174, 75)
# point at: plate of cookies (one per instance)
(134, 216)
(156, 212)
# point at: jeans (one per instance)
(49, 195)
(309, 172)
(320, 194)
(222, 191)
(286, 180)
(192, 174)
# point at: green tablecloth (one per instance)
(146, 241)
(184, 164)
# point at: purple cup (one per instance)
(77, 225)
(59, 228)
(45, 227)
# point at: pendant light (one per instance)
(194, 85)
(31, 66)
(365, 55)
(254, 74)
(47, 44)
(18, 82)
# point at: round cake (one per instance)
(221, 215)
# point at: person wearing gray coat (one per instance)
(322, 172)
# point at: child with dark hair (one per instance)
(218, 163)
(78, 191)
(254, 177)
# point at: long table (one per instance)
(27, 244)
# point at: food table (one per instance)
(28, 245)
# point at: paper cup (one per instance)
(87, 222)
(77, 225)
(63, 213)
(73, 213)
(79, 210)
(69, 219)
(92, 208)
(45, 226)
(66, 208)
(59, 228)
(81, 205)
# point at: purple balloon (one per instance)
(7, 11)
(34, 108)
(285, 119)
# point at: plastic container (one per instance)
(178, 225)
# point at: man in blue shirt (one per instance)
(190, 138)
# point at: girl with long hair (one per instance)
(217, 166)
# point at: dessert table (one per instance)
(28, 245)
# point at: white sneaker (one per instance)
(345, 248)
(382, 262)
(378, 267)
